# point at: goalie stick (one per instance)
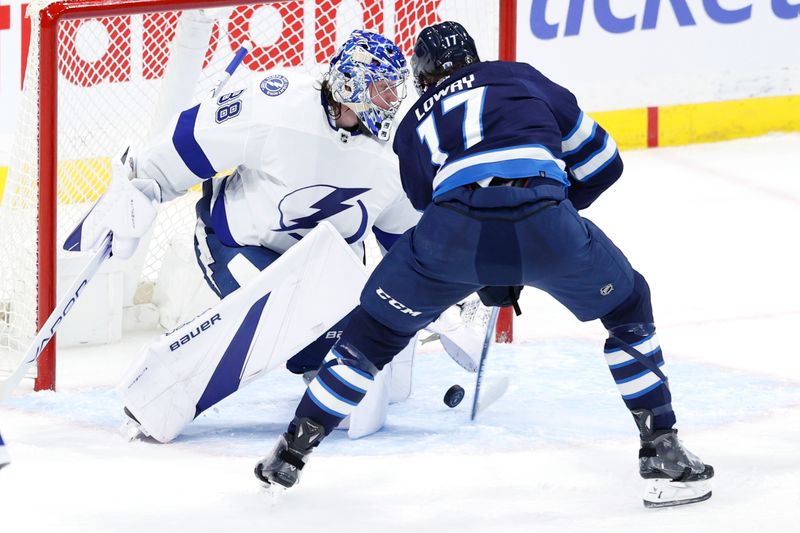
(66, 304)
(57, 317)
(231, 68)
(497, 389)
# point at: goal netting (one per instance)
(118, 70)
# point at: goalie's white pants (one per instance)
(252, 331)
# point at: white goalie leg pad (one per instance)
(391, 385)
(252, 331)
(402, 371)
(369, 415)
(668, 493)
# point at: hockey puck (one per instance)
(454, 395)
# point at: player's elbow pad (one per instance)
(583, 193)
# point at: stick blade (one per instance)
(493, 392)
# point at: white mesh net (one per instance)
(112, 92)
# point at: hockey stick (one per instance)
(238, 57)
(104, 252)
(477, 405)
(49, 328)
(57, 316)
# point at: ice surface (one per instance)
(714, 230)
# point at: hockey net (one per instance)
(116, 76)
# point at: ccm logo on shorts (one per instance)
(397, 305)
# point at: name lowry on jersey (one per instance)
(458, 85)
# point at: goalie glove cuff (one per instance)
(149, 187)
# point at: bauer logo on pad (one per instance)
(274, 85)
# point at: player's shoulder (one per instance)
(511, 72)
(535, 83)
(276, 86)
(286, 98)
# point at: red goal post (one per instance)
(134, 39)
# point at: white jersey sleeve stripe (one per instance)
(565, 154)
(597, 161)
(577, 137)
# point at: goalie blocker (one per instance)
(254, 330)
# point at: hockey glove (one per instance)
(501, 297)
(126, 209)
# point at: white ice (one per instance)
(714, 230)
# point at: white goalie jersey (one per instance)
(288, 167)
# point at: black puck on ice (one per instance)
(454, 395)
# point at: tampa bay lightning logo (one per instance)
(323, 202)
(274, 85)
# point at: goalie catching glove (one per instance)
(126, 209)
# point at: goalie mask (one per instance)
(368, 74)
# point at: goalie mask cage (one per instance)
(102, 74)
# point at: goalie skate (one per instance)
(131, 427)
(461, 330)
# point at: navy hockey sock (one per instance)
(634, 357)
(348, 371)
(340, 385)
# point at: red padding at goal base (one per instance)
(504, 332)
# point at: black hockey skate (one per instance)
(285, 464)
(673, 474)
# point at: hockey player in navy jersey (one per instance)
(501, 159)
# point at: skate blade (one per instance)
(273, 492)
(132, 431)
(667, 493)
(492, 392)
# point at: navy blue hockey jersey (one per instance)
(507, 120)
